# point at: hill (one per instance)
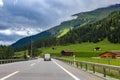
(107, 28)
(82, 19)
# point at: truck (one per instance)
(47, 57)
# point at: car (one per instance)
(47, 57)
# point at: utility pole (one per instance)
(30, 43)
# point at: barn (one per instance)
(67, 53)
(110, 55)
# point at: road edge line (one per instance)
(9, 75)
(32, 64)
(72, 75)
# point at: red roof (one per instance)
(114, 53)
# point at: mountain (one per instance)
(107, 28)
(81, 20)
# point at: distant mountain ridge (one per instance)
(107, 28)
(82, 19)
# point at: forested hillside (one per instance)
(107, 28)
(81, 20)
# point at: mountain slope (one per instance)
(107, 28)
(82, 19)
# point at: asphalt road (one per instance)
(43, 70)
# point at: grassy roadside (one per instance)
(115, 62)
(110, 73)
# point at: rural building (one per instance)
(67, 53)
(110, 55)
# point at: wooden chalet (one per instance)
(110, 55)
(67, 53)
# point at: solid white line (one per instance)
(72, 75)
(9, 75)
(32, 64)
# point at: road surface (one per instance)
(43, 70)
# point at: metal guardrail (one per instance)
(11, 60)
(103, 67)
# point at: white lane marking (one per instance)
(9, 75)
(72, 75)
(32, 64)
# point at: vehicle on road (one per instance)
(47, 57)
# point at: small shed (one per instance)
(67, 53)
(110, 55)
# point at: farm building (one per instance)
(67, 53)
(110, 55)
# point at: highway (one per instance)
(43, 70)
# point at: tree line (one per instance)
(6, 52)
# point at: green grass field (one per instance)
(21, 53)
(84, 49)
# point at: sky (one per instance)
(21, 18)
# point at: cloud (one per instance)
(1, 3)
(6, 32)
(15, 2)
(18, 17)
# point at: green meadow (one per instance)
(83, 49)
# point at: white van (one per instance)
(47, 57)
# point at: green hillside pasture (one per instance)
(83, 49)
(63, 32)
(20, 54)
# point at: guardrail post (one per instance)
(77, 64)
(93, 68)
(7, 61)
(71, 62)
(3, 61)
(119, 73)
(104, 72)
(68, 62)
(81, 65)
(86, 67)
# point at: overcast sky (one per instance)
(21, 18)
